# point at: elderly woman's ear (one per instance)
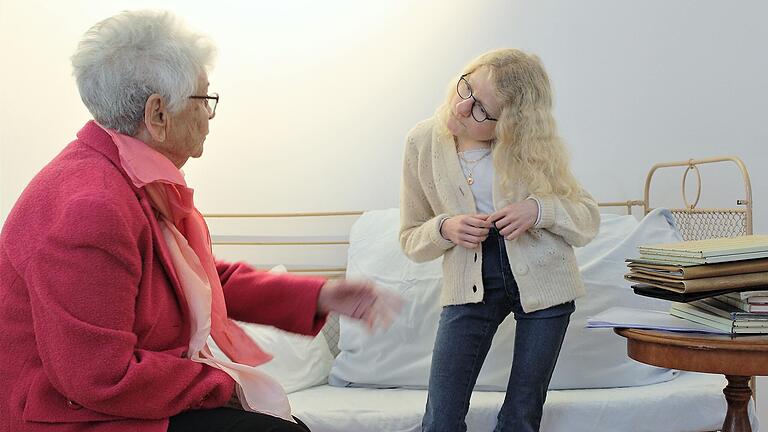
(156, 118)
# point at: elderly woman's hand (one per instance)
(361, 300)
(515, 219)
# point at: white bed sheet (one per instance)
(690, 402)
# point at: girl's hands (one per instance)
(515, 219)
(467, 231)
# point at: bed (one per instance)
(349, 380)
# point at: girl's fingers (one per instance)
(516, 233)
(509, 229)
(476, 232)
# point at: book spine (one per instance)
(671, 260)
(670, 252)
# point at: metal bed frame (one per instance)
(694, 222)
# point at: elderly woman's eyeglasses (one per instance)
(465, 92)
(211, 101)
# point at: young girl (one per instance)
(487, 185)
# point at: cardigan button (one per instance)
(523, 269)
(474, 288)
(184, 354)
(73, 405)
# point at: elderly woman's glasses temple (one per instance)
(210, 105)
(465, 92)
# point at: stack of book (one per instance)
(717, 312)
(734, 263)
(712, 280)
(748, 301)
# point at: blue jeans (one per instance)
(464, 336)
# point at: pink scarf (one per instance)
(189, 244)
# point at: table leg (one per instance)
(737, 394)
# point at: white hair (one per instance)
(124, 59)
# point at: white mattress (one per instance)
(690, 402)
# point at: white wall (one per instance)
(318, 96)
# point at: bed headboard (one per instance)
(695, 221)
(326, 233)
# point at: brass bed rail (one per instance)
(702, 223)
(694, 221)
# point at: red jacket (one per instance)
(93, 325)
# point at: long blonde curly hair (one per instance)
(527, 147)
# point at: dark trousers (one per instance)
(464, 337)
(231, 420)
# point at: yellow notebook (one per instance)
(707, 251)
(710, 247)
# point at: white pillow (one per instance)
(401, 356)
(299, 361)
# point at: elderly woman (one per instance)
(109, 288)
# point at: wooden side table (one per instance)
(737, 357)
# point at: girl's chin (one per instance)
(453, 126)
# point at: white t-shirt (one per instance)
(482, 177)
(482, 174)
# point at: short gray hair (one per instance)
(124, 59)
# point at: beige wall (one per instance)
(317, 96)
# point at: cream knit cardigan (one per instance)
(542, 259)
